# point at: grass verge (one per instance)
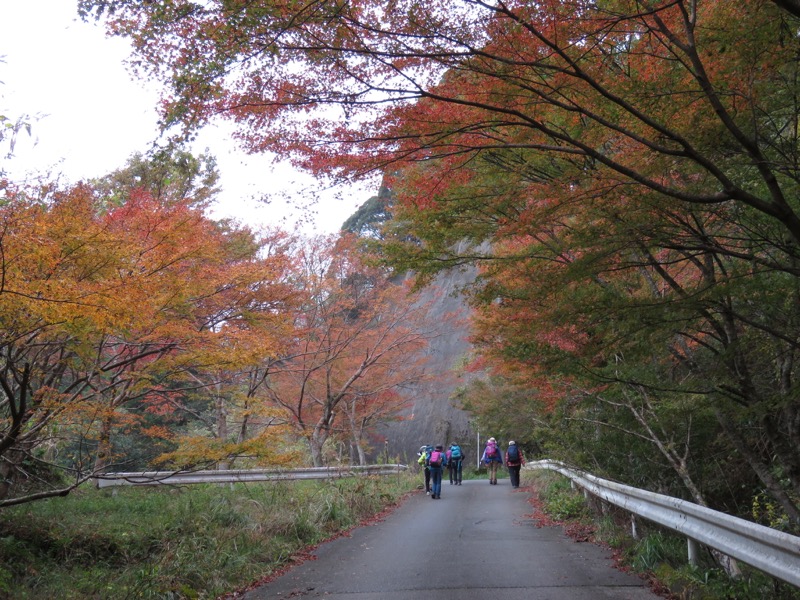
(194, 542)
(657, 555)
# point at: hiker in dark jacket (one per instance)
(455, 460)
(514, 462)
(436, 462)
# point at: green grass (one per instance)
(198, 541)
(563, 503)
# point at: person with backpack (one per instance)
(454, 463)
(514, 462)
(424, 454)
(437, 461)
(447, 454)
(492, 458)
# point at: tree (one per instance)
(245, 317)
(168, 174)
(59, 267)
(103, 310)
(579, 82)
(370, 217)
(659, 327)
(241, 315)
(358, 339)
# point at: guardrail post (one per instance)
(693, 549)
(634, 531)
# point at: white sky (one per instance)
(93, 117)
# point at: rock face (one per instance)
(433, 418)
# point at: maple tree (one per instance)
(247, 318)
(106, 311)
(655, 337)
(57, 264)
(358, 338)
(232, 301)
(579, 83)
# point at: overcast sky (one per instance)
(92, 117)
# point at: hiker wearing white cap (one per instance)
(492, 458)
(514, 462)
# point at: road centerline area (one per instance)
(476, 542)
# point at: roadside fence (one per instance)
(242, 475)
(773, 552)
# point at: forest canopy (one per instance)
(626, 172)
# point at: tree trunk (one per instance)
(781, 431)
(7, 467)
(222, 425)
(103, 457)
(315, 444)
(362, 456)
(356, 435)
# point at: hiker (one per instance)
(492, 458)
(455, 459)
(437, 461)
(514, 462)
(424, 454)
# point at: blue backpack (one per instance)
(513, 453)
(455, 451)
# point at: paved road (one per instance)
(474, 543)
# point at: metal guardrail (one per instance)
(771, 551)
(242, 475)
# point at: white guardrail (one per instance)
(241, 475)
(771, 551)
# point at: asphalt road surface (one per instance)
(478, 541)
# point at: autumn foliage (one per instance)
(359, 338)
(625, 172)
(106, 310)
(137, 332)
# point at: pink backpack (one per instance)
(491, 450)
(436, 459)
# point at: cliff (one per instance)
(432, 417)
